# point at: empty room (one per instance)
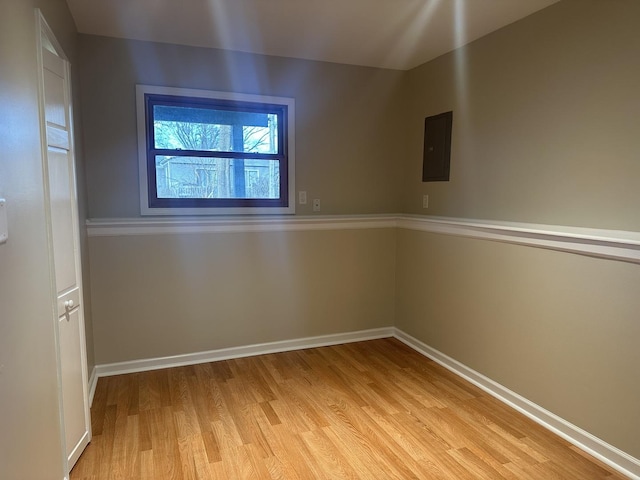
(297, 240)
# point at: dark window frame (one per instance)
(282, 157)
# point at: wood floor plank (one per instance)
(366, 410)
(287, 447)
(359, 426)
(146, 465)
(363, 459)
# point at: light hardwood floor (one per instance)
(368, 410)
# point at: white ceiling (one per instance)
(397, 34)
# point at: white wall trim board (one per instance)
(93, 382)
(612, 456)
(79, 448)
(147, 364)
(143, 226)
(609, 244)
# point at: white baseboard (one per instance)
(143, 365)
(79, 448)
(608, 454)
(93, 381)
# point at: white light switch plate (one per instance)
(4, 232)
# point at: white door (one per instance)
(59, 163)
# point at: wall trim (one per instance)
(600, 243)
(143, 365)
(610, 244)
(144, 226)
(93, 382)
(608, 454)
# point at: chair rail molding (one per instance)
(609, 244)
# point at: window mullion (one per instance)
(215, 154)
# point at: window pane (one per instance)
(206, 177)
(261, 139)
(208, 129)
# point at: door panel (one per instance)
(72, 386)
(62, 222)
(65, 251)
(54, 95)
(57, 137)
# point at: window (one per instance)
(205, 152)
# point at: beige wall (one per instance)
(346, 119)
(159, 295)
(30, 442)
(545, 122)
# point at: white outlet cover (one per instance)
(4, 229)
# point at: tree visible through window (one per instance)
(212, 153)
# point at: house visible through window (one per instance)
(214, 152)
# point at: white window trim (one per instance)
(141, 90)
